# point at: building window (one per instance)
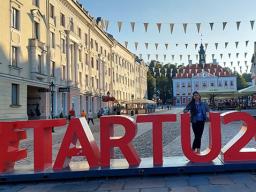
(92, 82)
(36, 30)
(86, 58)
(220, 84)
(40, 63)
(79, 32)
(15, 18)
(80, 55)
(52, 69)
(62, 20)
(226, 83)
(178, 85)
(63, 72)
(86, 39)
(52, 14)
(52, 36)
(36, 3)
(97, 81)
(15, 94)
(14, 56)
(212, 84)
(97, 64)
(80, 78)
(204, 84)
(63, 45)
(92, 62)
(96, 46)
(71, 25)
(231, 83)
(91, 43)
(86, 80)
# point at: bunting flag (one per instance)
(159, 27)
(224, 24)
(211, 25)
(136, 45)
(171, 27)
(198, 26)
(245, 55)
(156, 45)
(224, 64)
(237, 54)
(238, 63)
(146, 45)
(206, 45)
(196, 46)
(231, 63)
(238, 25)
(148, 56)
(252, 24)
(132, 26)
(146, 27)
(188, 57)
(157, 59)
(236, 43)
(196, 56)
(245, 62)
(229, 55)
(180, 57)
(119, 24)
(246, 43)
(185, 27)
(166, 46)
(126, 44)
(226, 44)
(173, 57)
(164, 56)
(186, 45)
(213, 56)
(106, 24)
(221, 55)
(177, 44)
(216, 45)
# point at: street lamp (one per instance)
(52, 86)
(132, 112)
(108, 94)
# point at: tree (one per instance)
(241, 82)
(247, 77)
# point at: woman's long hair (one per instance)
(192, 104)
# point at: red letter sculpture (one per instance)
(233, 150)
(9, 146)
(124, 143)
(78, 129)
(157, 133)
(214, 136)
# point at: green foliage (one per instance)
(160, 80)
(241, 82)
(247, 77)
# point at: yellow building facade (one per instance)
(56, 42)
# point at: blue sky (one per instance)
(179, 12)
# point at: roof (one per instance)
(192, 70)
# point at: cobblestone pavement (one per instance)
(244, 181)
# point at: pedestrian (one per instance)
(83, 114)
(90, 117)
(71, 113)
(199, 114)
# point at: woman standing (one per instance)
(198, 112)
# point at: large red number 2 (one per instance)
(233, 150)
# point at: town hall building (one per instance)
(203, 77)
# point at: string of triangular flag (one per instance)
(106, 23)
(166, 45)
